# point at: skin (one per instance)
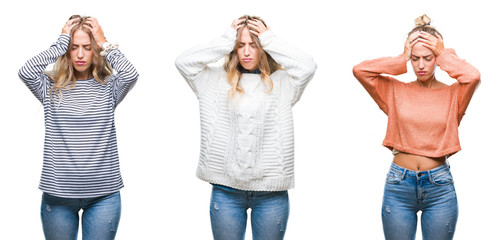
(247, 51)
(81, 52)
(422, 49)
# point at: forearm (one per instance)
(193, 61)
(299, 65)
(35, 66)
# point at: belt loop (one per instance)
(403, 175)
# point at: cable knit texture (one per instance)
(247, 142)
(421, 121)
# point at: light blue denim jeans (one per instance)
(269, 213)
(100, 217)
(407, 192)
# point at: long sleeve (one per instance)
(369, 74)
(32, 71)
(467, 76)
(126, 75)
(193, 62)
(298, 65)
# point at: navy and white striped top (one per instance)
(80, 157)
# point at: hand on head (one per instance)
(91, 23)
(96, 30)
(435, 44)
(69, 25)
(237, 23)
(255, 26)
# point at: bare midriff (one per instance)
(417, 163)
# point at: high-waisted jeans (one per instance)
(100, 218)
(269, 214)
(407, 192)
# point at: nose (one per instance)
(80, 52)
(421, 64)
(247, 50)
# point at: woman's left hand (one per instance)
(256, 27)
(435, 44)
(96, 30)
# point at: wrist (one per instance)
(104, 45)
(439, 52)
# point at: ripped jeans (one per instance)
(100, 217)
(407, 192)
(269, 214)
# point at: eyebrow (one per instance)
(426, 56)
(84, 45)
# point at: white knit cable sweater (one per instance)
(247, 143)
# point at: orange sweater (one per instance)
(421, 121)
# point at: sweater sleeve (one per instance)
(126, 75)
(192, 63)
(32, 72)
(298, 65)
(369, 74)
(467, 76)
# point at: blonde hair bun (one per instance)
(423, 20)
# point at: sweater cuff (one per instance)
(266, 37)
(230, 33)
(444, 55)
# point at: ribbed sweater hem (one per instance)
(264, 184)
(432, 154)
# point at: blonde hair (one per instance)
(423, 23)
(63, 74)
(266, 65)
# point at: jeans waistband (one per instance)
(420, 174)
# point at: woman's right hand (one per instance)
(409, 43)
(236, 24)
(69, 25)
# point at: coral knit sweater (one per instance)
(421, 121)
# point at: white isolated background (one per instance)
(340, 163)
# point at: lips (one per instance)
(422, 72)
(246, 59)
(80, 63)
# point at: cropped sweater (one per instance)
(247, 142)
(421, 121)
(80, 156)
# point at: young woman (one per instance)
(80, 160)
(247, 140)
(422, 132)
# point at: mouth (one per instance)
(421, 73)
(246, 59)
(80, 63)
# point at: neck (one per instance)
(428, 83)
(255, 71)
(82, 76)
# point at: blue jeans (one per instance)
(100, 218)
(269, 214)
(407, 192)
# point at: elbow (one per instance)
(311, 68)
(22, 74)
(357, 70)
(476, 76)
(180, 62)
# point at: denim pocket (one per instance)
(393, 177)
(443, 178)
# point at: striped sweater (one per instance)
(247, 142)
(80, 158)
